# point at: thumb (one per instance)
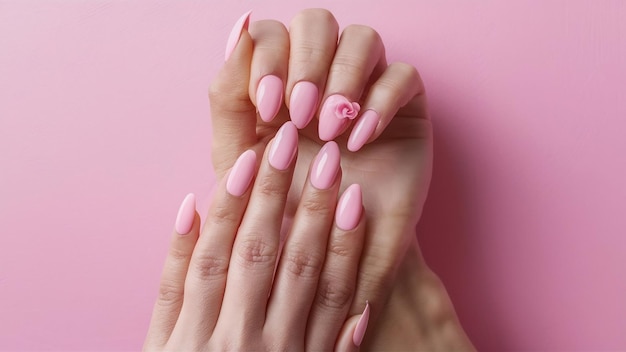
(233, 116)
(353, 331)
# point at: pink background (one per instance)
(104, 128)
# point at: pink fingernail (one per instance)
(186, 214)
(284, 146)
(303, 103)
(349, 208)
(269, 96)
(241, 174)
(363, 130)
(361, 326)
(325, 166)
(235, 34)
(335, 115)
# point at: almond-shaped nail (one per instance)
(284, 146)
(303, 103)
(269, 96)
(186, 214)
(241, 174)
(349, 208)
(361, 326)
(335, 115)
(363, 130)
(325, 166)
(235, 34)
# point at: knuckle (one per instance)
(170, 294)
(207, 267)
(317, 15)
(303, 264)
(255, 252)
(266, 185)
(333, 294)
(314, 206)
(339, 249)
(368, 33)
(346, 64)
(406, 70)
(308, 52)
(223, 214)
(178, 256)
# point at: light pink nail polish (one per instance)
(269, 96)
(303, 103)
(235, 34)
(325, 166)
(361, 326)
(284, 146)
(186, 214)
(363, 130)
(241, 174)
(349, 208)
(335, 115)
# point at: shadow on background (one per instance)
(450, 240)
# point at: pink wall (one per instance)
(103, 130)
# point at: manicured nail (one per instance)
(303, 103)
(284, 146)
(361, 326)
(241, 174)
(269, 96)
(334, 116)
(349, 208)
(186, 214)
(325, 166)
(235, 33)
(363, 130)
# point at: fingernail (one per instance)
(235, 33)
(325, 166)
(363, 130)
(335, 115)
(361, 326)
(349, 208)
(269, 96)
(284, 146)
(186, 214)
(241, 174)
(303, 103)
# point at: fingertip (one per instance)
(186, 215)
(235, 34)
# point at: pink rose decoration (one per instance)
(344, 108)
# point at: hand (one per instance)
(215, 286)
(393, 167)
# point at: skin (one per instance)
(410, 309)
(215, 285)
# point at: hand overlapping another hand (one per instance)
(343, 91)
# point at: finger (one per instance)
(398, 85)
(171, 287)
(233, 116)
(313, 36)
(256, 247)
(304, 252)
(360, 51)
(206, 277)
(269, 67)
(353, 331)
(337, 283)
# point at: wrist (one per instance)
(419, 313)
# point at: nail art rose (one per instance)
(344, 109)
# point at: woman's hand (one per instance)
(232, 288)
(386, 147)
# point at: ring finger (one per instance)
(360, 52)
